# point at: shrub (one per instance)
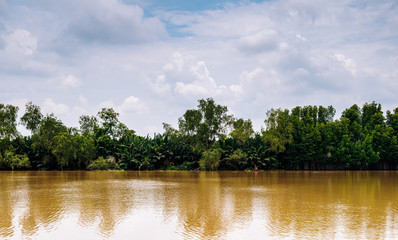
(210, 159)
(14, 161)
(104, 164)
(236, 160)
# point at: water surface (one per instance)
(198, 205)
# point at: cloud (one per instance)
(3, 7)
(70, 81)
(106, 104)
(160, 86)
(129, 105)
(132, 104)
(265, 40)
(20, 103)
(83, 100)
(230, 21)
(298, 36)
(113, 22)
(49, 106)
(247, 56)
(199, 83)
(20, 40)
(348, 63)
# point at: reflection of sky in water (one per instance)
(181, 205)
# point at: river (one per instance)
(199, 205)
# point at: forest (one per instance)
(207, 138)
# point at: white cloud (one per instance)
(106, 104)
(202, 85)
(20, 103)
(71, 81)
(21, 41)
(348, 63)
(308, 53)
(49, 106)
(265, 40)
(176, 63)
(83, 100)
(160, 86)
(232, 21)
(112, 21)
(132, 104)
(298, 36)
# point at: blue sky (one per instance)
(152, 60)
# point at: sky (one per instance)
(152, 60)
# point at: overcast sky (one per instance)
(152, 60)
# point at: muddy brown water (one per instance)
(199, 205)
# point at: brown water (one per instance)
(198, 205)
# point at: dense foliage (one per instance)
(207, 138)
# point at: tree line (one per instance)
(207, 138)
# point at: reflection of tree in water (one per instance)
(105, 197)
(98, 196)
(6, 202)
(44, 202)
(208, 205)
(320, 205)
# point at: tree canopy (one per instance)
(207, 138)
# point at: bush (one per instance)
(14, 161)
(210, 159)
(183, 167)
(236, 160)
(104, 164)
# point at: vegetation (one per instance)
(207, 138)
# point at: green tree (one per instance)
(44, 141)
(372, 115)
(110, 122)
(10, 160)
(279, 130)
(210, 159)
(189, 123)
(8, 121)
(32, 117)
(242, 130)
(392, 120)
(87, 124)
(237, 160)
(206, 124)
(215, 117)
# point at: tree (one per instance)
(8, 121)
(368, 156)
(189, 123)
(110, 121)
(32, 117)
(208, 123)
(87, 124)
(326, 115)
(44, 141)
(64, 150)
(279, 130)
(215, 117)
(372, 115)
(243, 130)
(10, 160)
(210, 159)
(392, 119)
(353, 114)
(237, 160)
